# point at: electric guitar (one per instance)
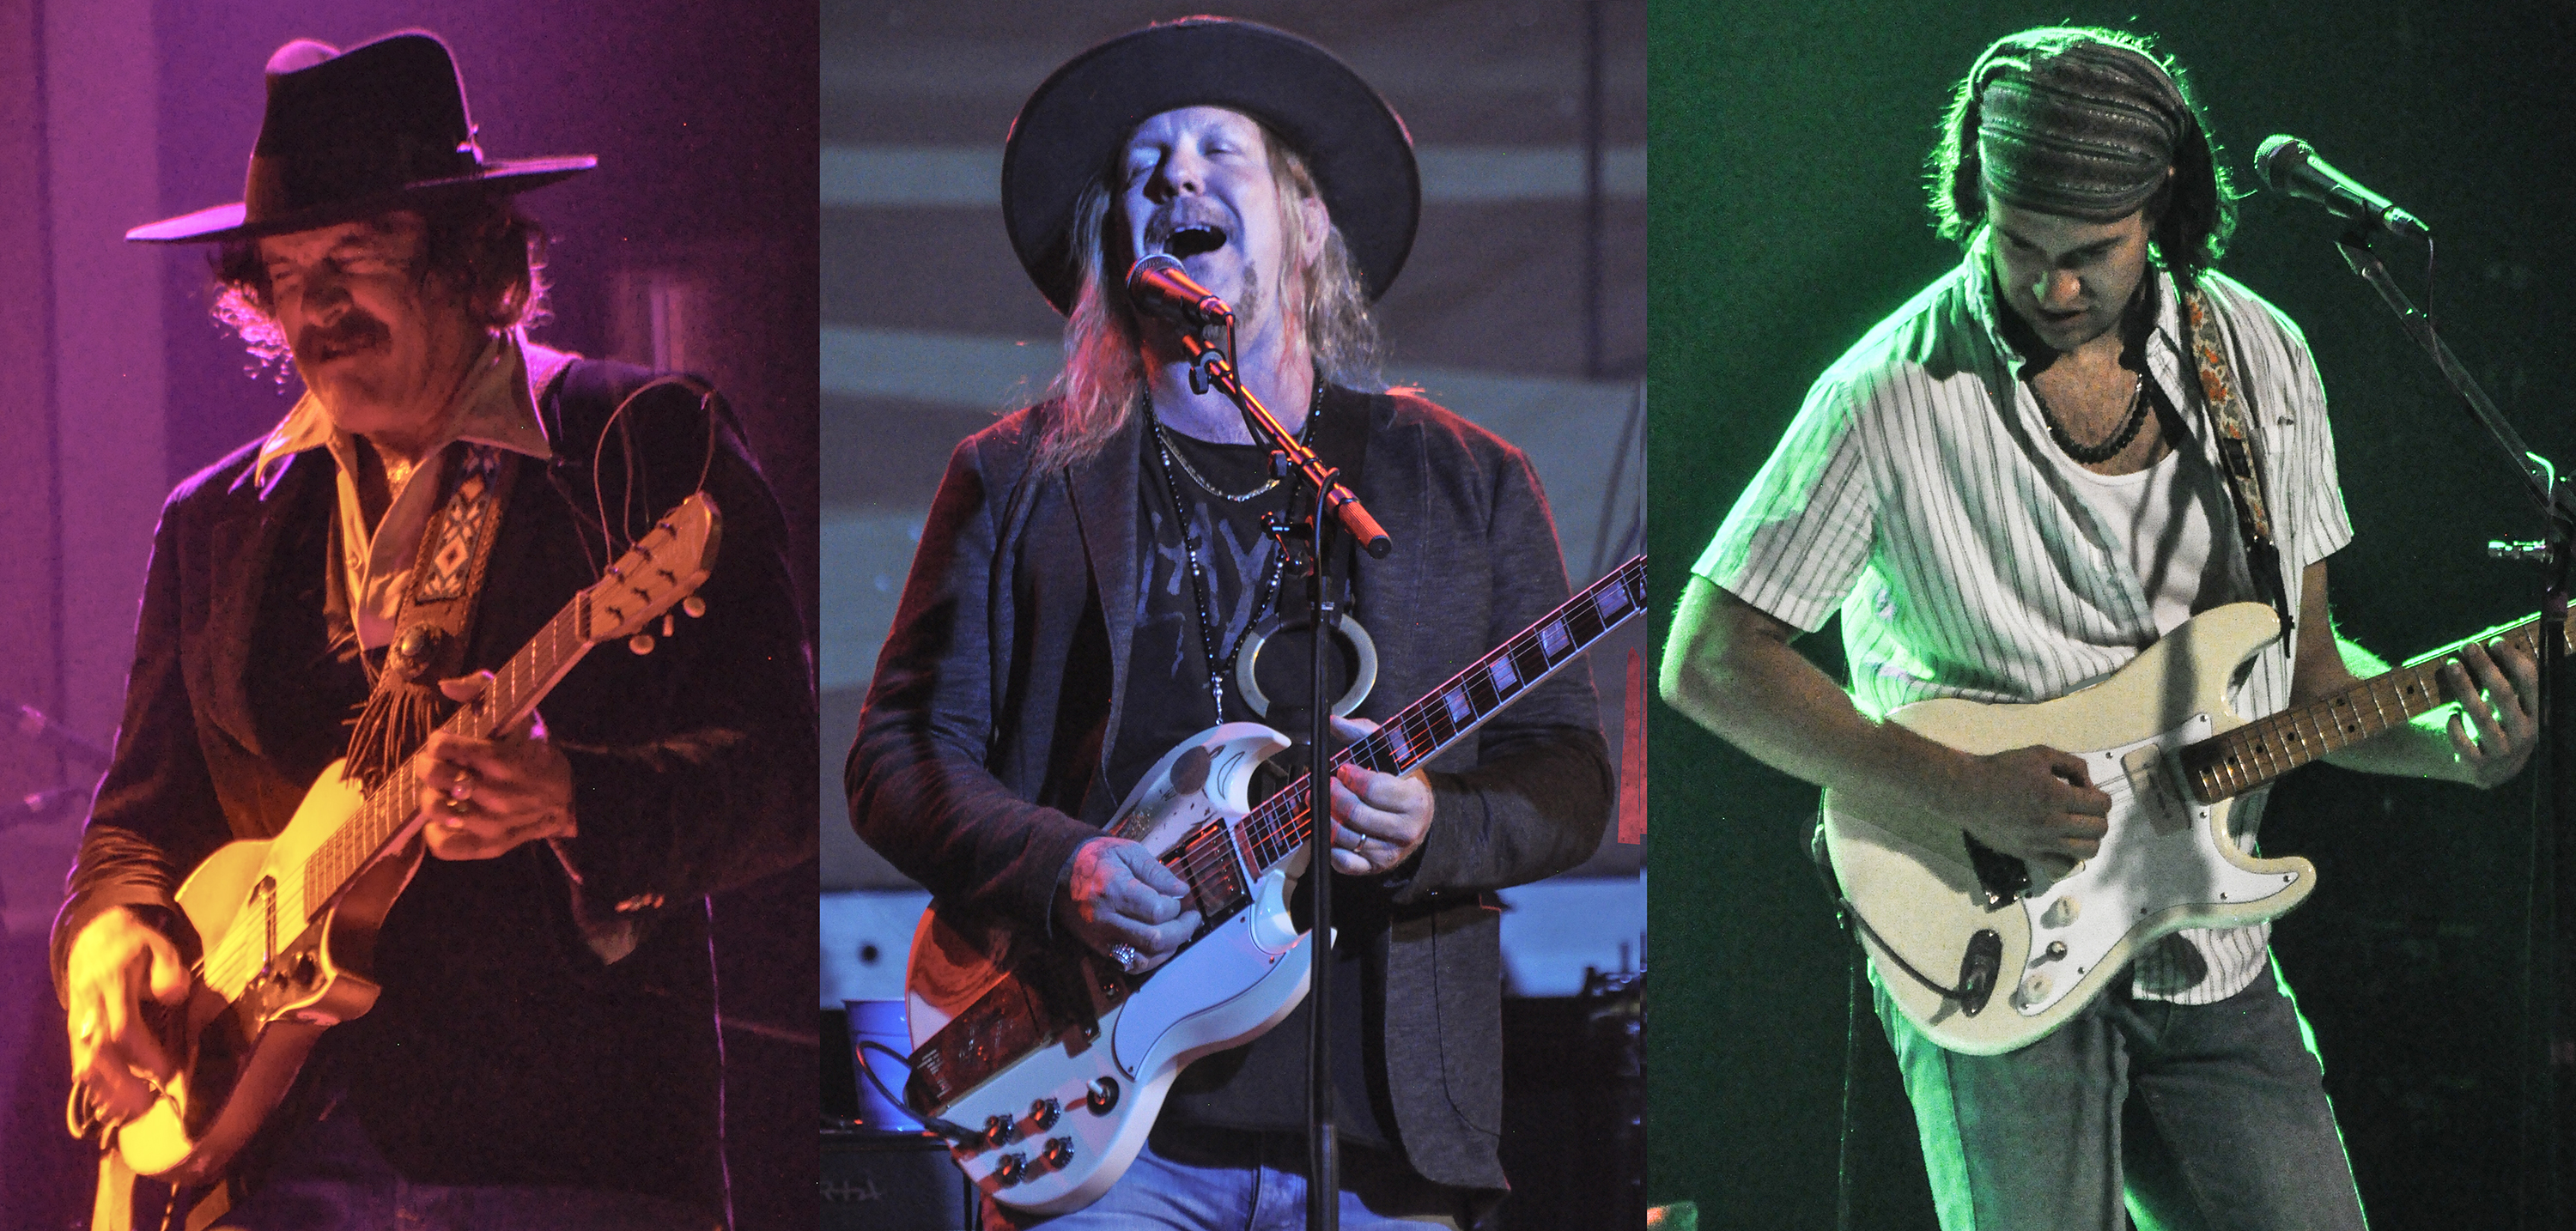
(1058, 1061)
(2028, 950)
(289, 923)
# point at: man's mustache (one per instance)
(355, 330)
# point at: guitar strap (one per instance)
(446, 575)
(2238, 463)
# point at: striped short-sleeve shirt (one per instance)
(1915, 494)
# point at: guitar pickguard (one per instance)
(2160, 862)
(2167, 862)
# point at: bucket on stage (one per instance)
(880, 1021)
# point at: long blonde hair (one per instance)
(1104, 378)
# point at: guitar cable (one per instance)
(948, 1129)
(1851, 917)
(1846, 916)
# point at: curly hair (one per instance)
(2191, 217)
(1104, 378)
(483, 245)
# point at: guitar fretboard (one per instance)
(1279, 826)
(2251, 755)
(515, 689)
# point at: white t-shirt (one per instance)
(2166, 514)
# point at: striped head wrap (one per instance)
(2074, 125)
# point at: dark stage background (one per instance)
(1787, 216)
(692, 246)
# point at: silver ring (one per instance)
(1126, 956)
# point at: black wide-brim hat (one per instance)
(349, 134)
(1072, 129)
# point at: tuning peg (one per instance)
(694, 606)
(641, 643)
(666, 624)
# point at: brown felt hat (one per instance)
(352, 133)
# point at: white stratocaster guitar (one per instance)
(1056, 1060)
(289, 923)
(1986, 953)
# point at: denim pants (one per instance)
(331, 1178)
(2205, 1117)
(1217, 1180)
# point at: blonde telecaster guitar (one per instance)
(2013, 951)
(1055, 1060)
(289, 923)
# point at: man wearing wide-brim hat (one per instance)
(542, 1050)
(1093, 588)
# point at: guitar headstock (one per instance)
(661, 569)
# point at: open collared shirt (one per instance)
(1915, 495)
(496, 404)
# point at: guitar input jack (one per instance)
(1102, 1095)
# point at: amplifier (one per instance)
(892, 1182)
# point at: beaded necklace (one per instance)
(2095, 455)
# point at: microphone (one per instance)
(32, 723)
(1158, 285)
(28, 809)
(2286, 164)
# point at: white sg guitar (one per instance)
(1986, 953)
(1060, 1062)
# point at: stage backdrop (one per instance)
(1787, 215)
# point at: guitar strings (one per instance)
(1284, 821)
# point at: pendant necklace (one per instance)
(1219, 668)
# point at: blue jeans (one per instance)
(2205, 1117)
(1215, 1180)
(331, 1178)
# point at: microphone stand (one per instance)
(1211, 367)
(2544, 1111)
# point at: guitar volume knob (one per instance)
(1010, 1168)
(1058, 1153)
(1046, 1112)
(1000, 1130)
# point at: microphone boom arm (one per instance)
(1209, 363)
(2538, 475)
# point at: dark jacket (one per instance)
(503, 1050)
(980, 761)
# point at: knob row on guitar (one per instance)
(1098, 1099)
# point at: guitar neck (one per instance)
(1280, 826)
(2252, 755)
(515, 689)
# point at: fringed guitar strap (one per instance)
(2228, 414)
(429, 641)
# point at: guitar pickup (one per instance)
(2155, 783)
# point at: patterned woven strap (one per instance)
(2236, 452)
(429, 638)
